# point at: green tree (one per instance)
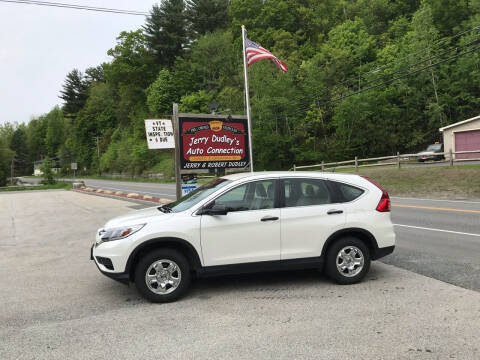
(195, 103)
(206, 16)
(6, 156)
(165, 31)
(74, 92)
(46, 168)
(18, 145)
(54, 136)
(162, 93)
(213, 60)
(95, 74)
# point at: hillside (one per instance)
(366, 78)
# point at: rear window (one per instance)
(306, 192)
(348, 192)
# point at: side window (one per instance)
(306, 192)
(252, 196)
(348, 192)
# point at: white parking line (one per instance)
(440, 230)
(422, 199)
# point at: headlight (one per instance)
(118, 233)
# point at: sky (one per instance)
(40, 45)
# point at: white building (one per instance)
(462, 136)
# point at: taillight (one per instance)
(384, 203)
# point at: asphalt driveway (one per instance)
(56, 305)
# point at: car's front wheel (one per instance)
(162, 275)
(348, 260)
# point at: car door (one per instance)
(308, 217)
(249, 232)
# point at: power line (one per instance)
(477, 40)
(413, 72)
(354, 78)
(306, 106)
(77, 7)
(402, 76)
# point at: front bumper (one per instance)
(124, 278)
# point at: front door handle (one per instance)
(269, 218)
(332, 212)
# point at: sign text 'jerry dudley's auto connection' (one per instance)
(213, 143)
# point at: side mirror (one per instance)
(218, 209)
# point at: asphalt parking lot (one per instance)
(56, 305)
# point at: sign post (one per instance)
(73, 166)
(178, 179)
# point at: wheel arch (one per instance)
(362, 234)
(178, 244)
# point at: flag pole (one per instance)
(247, 98)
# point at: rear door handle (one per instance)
(332, 212)
(269, 218)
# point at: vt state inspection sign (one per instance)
(159, 134)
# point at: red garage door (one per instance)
(466, 141)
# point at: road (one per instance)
(435, 238)
(143, 188)
(439, 239)
(163, 190)
(56, 305)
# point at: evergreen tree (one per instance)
(74, 92)
(165, 31)
(206, 16)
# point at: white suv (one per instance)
(246, 223)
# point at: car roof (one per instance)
(281, 174)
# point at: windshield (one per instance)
(197, 195)
(434, 147)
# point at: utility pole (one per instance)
(98, 147)
(98, 153)
(12, 166)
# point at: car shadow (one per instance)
(271, 280)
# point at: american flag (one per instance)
(255, 52)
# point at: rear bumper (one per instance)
(384, 251)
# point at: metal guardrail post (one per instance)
(323, 166)
(398, 159)
(356, 163)
(451, 157)
(294, 167)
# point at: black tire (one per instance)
(331, 261)
(149, 259)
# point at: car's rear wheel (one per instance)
(162, 275)
(348, 260)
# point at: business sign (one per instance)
(159, 134)
(207, 143)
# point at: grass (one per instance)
(58, 185)
(457, 182)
